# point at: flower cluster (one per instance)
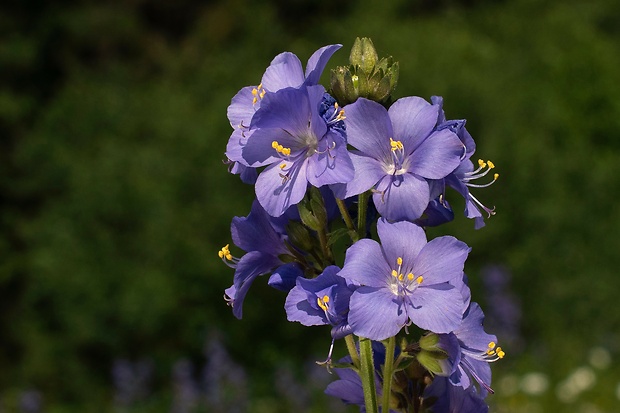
(349, 165)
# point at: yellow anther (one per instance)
(492, 345)
(282, 166)
(396, 145)
(262, 93)
(419, 279)
(254, 100)
(322, 302)
(400, 277)
(280, 149)
(254, 92)
(394, 273)
(410, 276)
(500, 353)
(491, 164)
(495, 177)
(399, 261)
(341, 115)
(225, 253)
(481, 163)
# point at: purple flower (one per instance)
(320, 301)
(405, 280)
(284, 71)
(464, 176)
(447, 398)
(299, 146)
(470, 349)
(263, 239)
(398, 150)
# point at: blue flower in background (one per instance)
(405, 280)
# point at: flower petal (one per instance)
(255, 232)
(441, 260)
(376, 313)
(437, 156)
(367, 173)
(241, 108)
(438, 308)
(276, 193)
(330, 166)
(318, 61)
(413, 119)
(250, 266)
(404, 198)
(364, 264)
(369, 128)
(400, 239)
(284, 71)
(287, 109)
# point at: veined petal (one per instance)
(250, 266)
(255, 232)
(376, 313)
(400, 239)
(287, 109)
(438, 308)
(276, 193)
(413, 119)
(259, 151)
(437, 156)
(299, 309)
(330, 166)
(368, 172)
(241, 108)
(364, 264)
(318, 126)
(284, 71)
(369, 128)
(441, 260)
(404, 198)
(471, 332)
(283, 278)
(318, 61)
(237, 141)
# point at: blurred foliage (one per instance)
(114, 199)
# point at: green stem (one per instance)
(355, 358)
(345, 214)
(362, 206)
(388, 372)
(327, 252)
(367, 374)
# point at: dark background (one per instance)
(114, 199)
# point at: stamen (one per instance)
(419, 279)
(225, 253)
(322, 302)
(280, 149)
(399, 261)
(396, 145)
(410, 276)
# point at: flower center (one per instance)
(396, 165)
(401, 284)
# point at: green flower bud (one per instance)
(434, 362)
(299, 236)
(366, 76)
(429, 342)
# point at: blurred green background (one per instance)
(115, 200)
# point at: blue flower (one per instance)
(299, 146)
(465, 175)
(284, 71)
(264, 240)
(398, 150)
(470, 350)
(405, 280)
(321, 301)
(447, 398)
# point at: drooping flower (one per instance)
(263, 239)
(284, 71)
(323, 300)
(298, 146)
(465, 175)
(397, 151)
(404, 280)
(470, 350)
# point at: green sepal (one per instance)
(431, 361)
(430, 342)
(299, 235)
(307, 217)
